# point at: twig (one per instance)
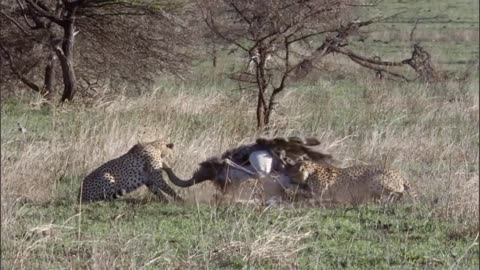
(14, 22)
(412, 32)
(475, 243)
(44, 13)
(351, 54)
(22, 78)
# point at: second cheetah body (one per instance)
(352, 185)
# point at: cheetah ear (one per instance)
(170, 145)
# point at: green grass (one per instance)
(447, 29)
(424, 131)
(442, 14)
(157, 236)
(428, 132)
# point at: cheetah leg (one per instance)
(390, 197)
(158, 184)
(155, 189)
(397, 197)
(109, 194)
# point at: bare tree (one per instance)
(22, 47)
(419, 61)
(121, 41)
(270, 29)
(278, 36)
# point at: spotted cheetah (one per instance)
(352, 185)
(141, 165)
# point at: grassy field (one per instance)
(149, 235)
(428, 132)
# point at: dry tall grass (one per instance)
(430, 133)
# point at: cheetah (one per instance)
(349, 186)
(141, 165)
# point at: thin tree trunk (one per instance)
(260, 112)
(262, 109)
(261, 104)
(214, 54)
(49, 80)
(68, 79)
(65, 55)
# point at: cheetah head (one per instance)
(298, 172)
(167, 152)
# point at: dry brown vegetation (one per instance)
(429, 133)
(430, 136)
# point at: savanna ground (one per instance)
(428, 132)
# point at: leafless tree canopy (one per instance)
(267, 22)
(136, 48)
(22, 51)
(115, 42)
(268, 30)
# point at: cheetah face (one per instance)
(167, 153)
(298, 172)
(303, 173)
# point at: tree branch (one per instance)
(312, 35)
(240, 13)
(14, 22)
(93, 15)
(44, 13)
(367, 65)
(351, 54)
(20, 76)
(287, 71)
(24, 16)
(216, 31)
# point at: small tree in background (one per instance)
(280, 36)
(268, 32)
